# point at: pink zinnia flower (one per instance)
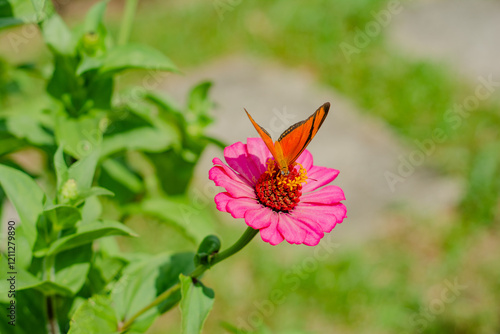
(283, 207)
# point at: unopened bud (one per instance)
(69, 191)
(90, 43)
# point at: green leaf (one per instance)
(83, 170)
(148, 116)
(87, 233)
(57, 36)
(199, 105)
(194, 222)
(40, 6)
(80, 136)
(110, 180)
(170, 163)
(100, 92)
(123, 175)
(91, 210)
(128, 57)
(192, 123)
(168, 110)
(79, 177)
(134, 56)
(198, 97)
(7, 16)
(60, 167)
(72, 266)
(196, 304)
(10, 144)
(70, 273)
(25, 280)
(7, 22)
(96, 315)
(147, 139)
(48, 288)
(26, 197)
(62, 216)
(104, 269)
(65, 86)
(166, 103)
(95, 191)
(110, 248)
(19, 12)
(24, 126)
(143, 281)
(88, 64)
(94, 18)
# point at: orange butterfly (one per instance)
(294, 140)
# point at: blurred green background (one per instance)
(392, 282)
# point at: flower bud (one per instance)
(90, 43)
(69, 191)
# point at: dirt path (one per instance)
(463, 34)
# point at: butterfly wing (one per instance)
(264, 135)
(294, 140)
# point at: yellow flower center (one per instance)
(280, 192)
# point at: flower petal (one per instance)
(318, 177)
(221, 200)
(237, 207)
(291, 229)
(259, 153)
(259, 218)
(326, 195)
(238, 159)
(313, 238)
(271, 234)
(313, 229)
(234, 184)
(231, 173)
(326, 216)
(306, 159)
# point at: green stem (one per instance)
(158, 300)
(52, 324)
(128, 17)
(49, 273)
(197, 272)
(238, 245)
